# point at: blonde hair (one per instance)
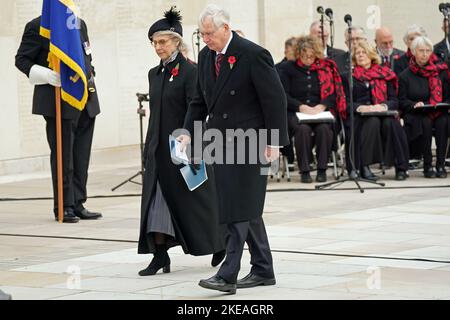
(308, 42)
(370, 51)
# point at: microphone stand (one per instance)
(447, 40)
(141, 112)
(331, 20)
(322, 28)
(353, 176)
(196, 44)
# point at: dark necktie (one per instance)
(219, 60)
(387, 63)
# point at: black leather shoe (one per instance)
(306, 177)
(219, 284)
(400, 175)
(428, 172)
(367, 174)
(85, 214)
(441, 172)
(321, 176)
(68, 216)
(252, 280)
(217, 258)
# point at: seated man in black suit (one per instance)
(384, 41)
(316, 31)
(343, 60)
(442, 48)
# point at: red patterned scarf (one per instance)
(378, 77)
(431, 71)
(330, 83)
(409, 54)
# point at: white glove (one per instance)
(40, 75)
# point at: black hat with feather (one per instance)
(170, 22)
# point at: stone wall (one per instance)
(123, 55)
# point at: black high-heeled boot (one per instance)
(160, 260)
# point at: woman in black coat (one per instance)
(171, 214)
(426, 82)
(312, 85)
(378, 138)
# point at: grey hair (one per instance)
(356, 28)
(218, 15)
(414, 29)
(173, 35)
(316, 23)
(313, 24)
(421, 41)
(183, 48)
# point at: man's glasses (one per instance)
(209, 34)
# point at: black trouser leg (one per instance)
(81, 155)
(396, 144)
(387, 136)
(236, 236)
(68, 138)
(441, 137)
(370, 141)
(323, 137)
(425, 141)
(254, 233)
(259, 248)
(303, 145)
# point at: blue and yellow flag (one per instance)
(60, 25)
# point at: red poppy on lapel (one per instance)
(396, 56)
(175, 71)
(232, 61)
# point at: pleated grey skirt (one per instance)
(159, 218)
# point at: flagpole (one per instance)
(59, 166)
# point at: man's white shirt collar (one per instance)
(224, 50)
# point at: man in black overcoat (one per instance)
(238, 88)
(77, 127)
(442, 48)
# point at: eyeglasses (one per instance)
(161, 42)
(209, 34)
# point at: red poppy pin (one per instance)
(175, 71)
(232, 61)
(396, 57)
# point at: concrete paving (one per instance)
(387, 243)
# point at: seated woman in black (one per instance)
(312, 85)
(425, 82)
(378, 138)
